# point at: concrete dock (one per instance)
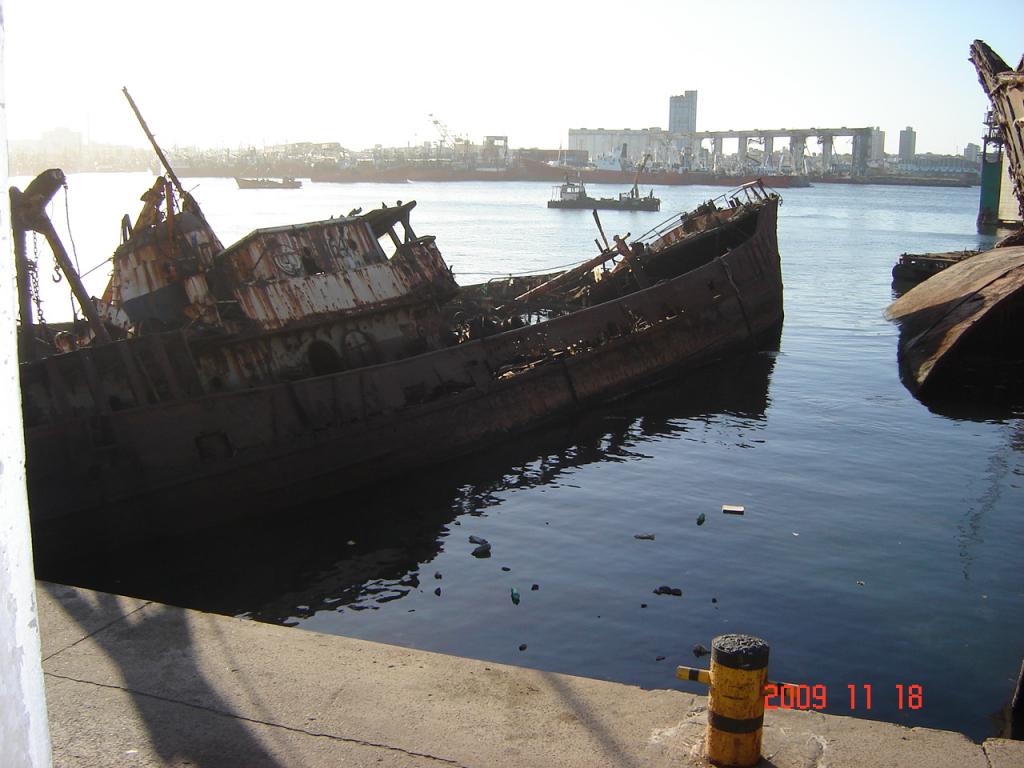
(136, 683)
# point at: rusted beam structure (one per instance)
(28, 213)
(24, 278)
(1005, 89)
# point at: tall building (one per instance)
(877, 153)
(682, 113)
(908, 145)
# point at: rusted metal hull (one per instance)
(191, 461)
(971, 309)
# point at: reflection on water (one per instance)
(363, 550)
(996, 478)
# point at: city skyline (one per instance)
(343, 74)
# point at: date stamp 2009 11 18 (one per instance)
(779, 696)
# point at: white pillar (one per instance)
(24, 735)
(826, 153)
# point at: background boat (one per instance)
(286, 183)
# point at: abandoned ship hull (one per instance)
(119, 476)
(968, 312)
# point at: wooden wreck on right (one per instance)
(965, 324)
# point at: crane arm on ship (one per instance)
(635, 192)
(188, 202)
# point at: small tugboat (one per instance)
(288, 182)
(210, 384)
(573, 194)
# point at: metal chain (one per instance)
(74, 251)
(33, 270)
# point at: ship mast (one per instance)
(635, 192)
(152, 141)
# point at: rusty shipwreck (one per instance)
(211, 383)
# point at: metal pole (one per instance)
(84, 299)
(26, 346)
(152, 140)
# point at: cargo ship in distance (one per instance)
(534, 170)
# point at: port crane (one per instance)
(447, 138)
(635, 191)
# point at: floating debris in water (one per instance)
(643, 605)
(505, 568)
(515, 596)
(350, 543)
(437, 575)
(733, 509)
(437, 591)
(666, 590)
(644, 536)
(659, 658)
(484, 550)
(535, 587)
(699, 650)
(860, 583)
(714, 599)
(701, 518)
(795, 533)
(522, 647)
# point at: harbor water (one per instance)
(881, 541)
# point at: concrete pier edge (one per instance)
(137, 683)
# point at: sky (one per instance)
(234, 74)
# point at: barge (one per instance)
(573, 195)
(288, 182)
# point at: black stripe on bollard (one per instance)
(732, 725)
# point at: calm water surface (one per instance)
(881, 543)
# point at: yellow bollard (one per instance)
(739, 671)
